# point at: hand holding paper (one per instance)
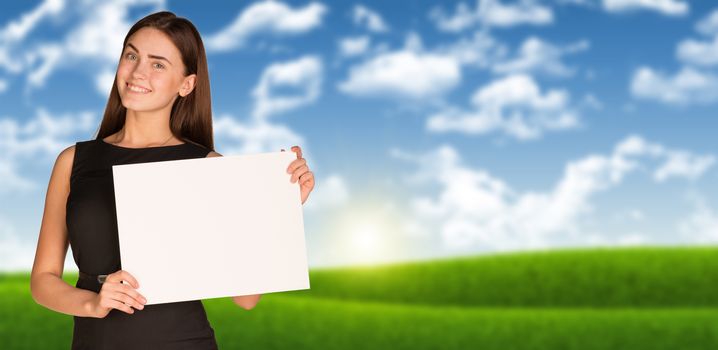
(232, 224)
(300, 172)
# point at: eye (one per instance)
(159, 66)
(130, 56)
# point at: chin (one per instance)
(131, 105)
(140, 107)
(137, 107)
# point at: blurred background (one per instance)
(515, 174)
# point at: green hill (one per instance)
(611, 277)
(634, 298)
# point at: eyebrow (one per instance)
(150, 56)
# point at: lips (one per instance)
(137, 89)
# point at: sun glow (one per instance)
(367, 236)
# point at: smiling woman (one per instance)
(162, 69)
(159, 109)
(161, 77)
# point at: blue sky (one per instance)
(433, 128)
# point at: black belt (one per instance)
(97, 278)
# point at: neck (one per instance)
(145, 129)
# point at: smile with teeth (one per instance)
(137, 89)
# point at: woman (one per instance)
(159, 109)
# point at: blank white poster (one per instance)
(194, 229)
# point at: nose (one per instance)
(140, 71)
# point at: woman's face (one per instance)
(150, 74)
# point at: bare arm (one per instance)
(46, 284)
(246, 302)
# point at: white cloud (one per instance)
(533, 55)
(689, 85)
(41, 138)
(701, 52)
(44, 133)
(677, 163)
(709, 24)
(258, 135)
(684, 164)
(407, 73)
(329, 193)
(354, 46)
(266, 17)
(536, 55)
(463, 18)
(403, 73)
(519, 89)
(695, 83)
(255, 136)
(17, 30)
(698, 52)
(3, 85)
(362, 15)
(473, 208)
(50, 55)
(304, 74)
(492, 13)
(702, 225)
(667, 7)
(514, 105)
(416, 73)
(480, 50)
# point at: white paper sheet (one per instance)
(194, 229)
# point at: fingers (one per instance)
(307, 177)
(124, 297)
(114, 304)
(295, 164)
(298, 173)
(138, 298)
(117, 296)
(298, 167)
(120, 276)
(121, 296)
(298, 150)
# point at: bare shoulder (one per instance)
(63, 164)
(213, 154)
(61, 172)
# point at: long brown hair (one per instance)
(191, 115)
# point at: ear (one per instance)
(188, 85)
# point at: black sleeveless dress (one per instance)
(92, 232)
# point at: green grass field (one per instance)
(631, 298)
